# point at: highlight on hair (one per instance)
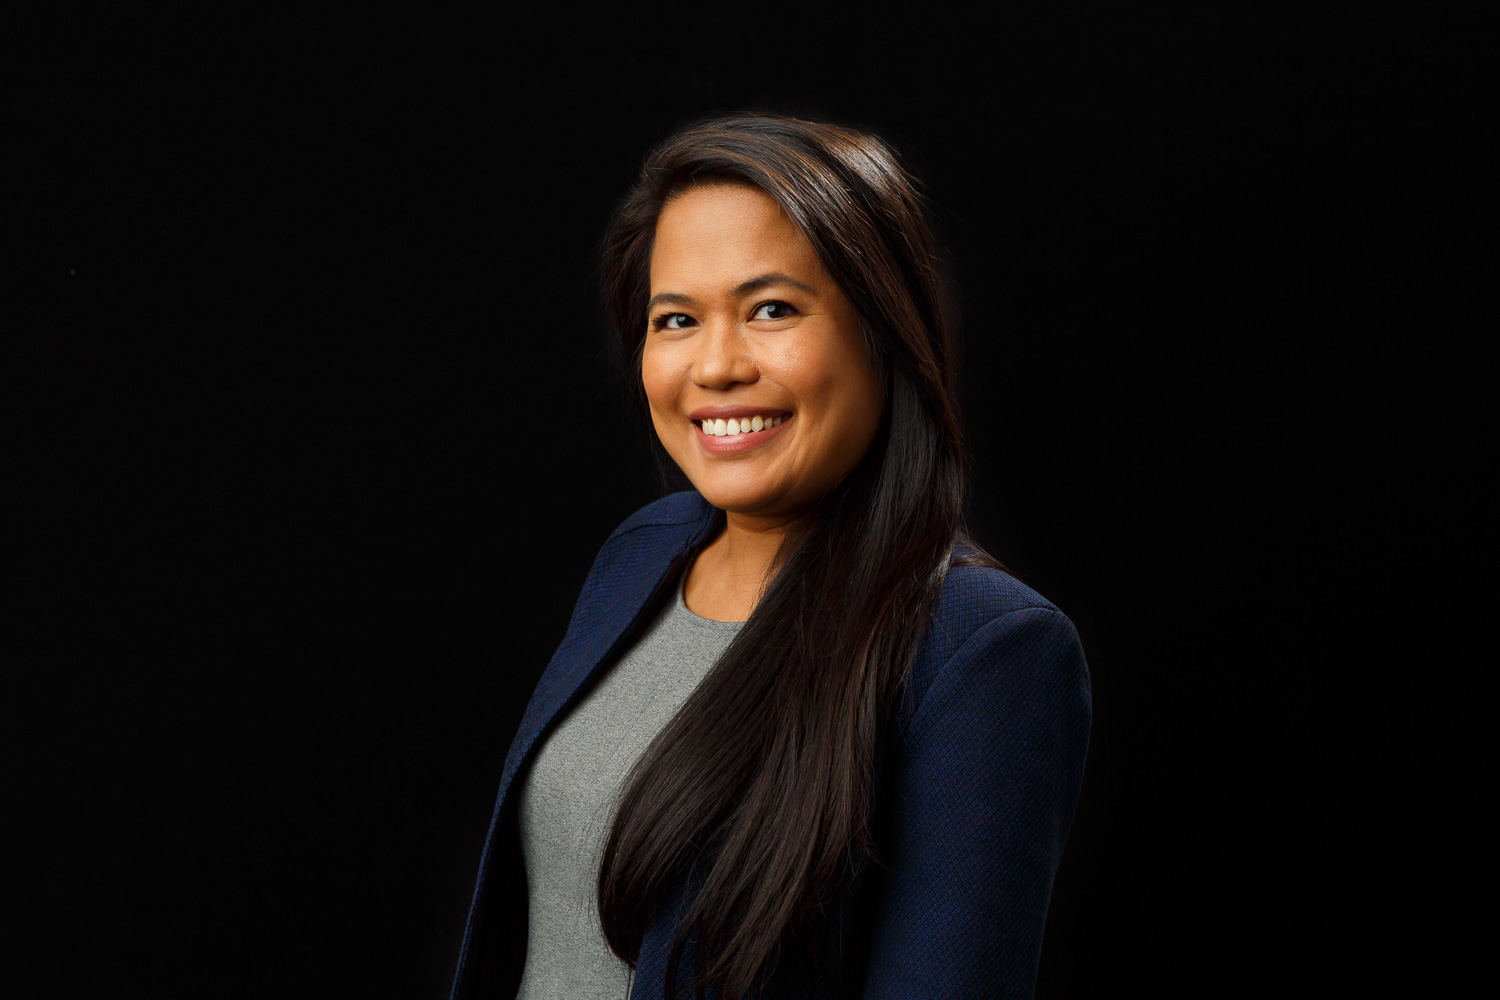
(762, 782)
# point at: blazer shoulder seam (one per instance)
(1046, 608)
(963, 647)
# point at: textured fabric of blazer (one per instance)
(975, 791)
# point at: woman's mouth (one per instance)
(727, 437)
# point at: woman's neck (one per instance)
(725, 581)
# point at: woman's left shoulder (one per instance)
(987, 590)
(976, 596)
(996, 647)
(986, 620)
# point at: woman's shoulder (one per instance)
(973, 588)
(984, 599)
(683, 513)
(990, 631)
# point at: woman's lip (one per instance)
(726, 412)
(739, 442)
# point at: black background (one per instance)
(318, 435)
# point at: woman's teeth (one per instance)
(744, 425)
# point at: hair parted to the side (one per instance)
(764, 778)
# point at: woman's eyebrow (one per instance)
(676, 298)
(775, 278)
(743, 288)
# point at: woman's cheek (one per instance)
(655, 381)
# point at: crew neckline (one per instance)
(688, 614)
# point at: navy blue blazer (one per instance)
(976, 788)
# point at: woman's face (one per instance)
(744, 323)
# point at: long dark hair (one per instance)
(763, 779)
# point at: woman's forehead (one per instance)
(722, 234)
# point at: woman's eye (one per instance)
(777, 310)
(671, 321)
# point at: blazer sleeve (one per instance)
(982, 797)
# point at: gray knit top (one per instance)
(568, 799)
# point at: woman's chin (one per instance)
(737, 497)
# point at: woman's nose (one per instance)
(722, 357)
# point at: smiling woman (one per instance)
(803, 738)
(758, 329)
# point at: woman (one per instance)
(802, 738)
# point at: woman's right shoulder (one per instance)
(643, 545)
(685, 509)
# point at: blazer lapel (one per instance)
(634, 568)
(620, 605)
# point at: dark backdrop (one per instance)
(318, 437)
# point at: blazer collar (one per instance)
(636, 567)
